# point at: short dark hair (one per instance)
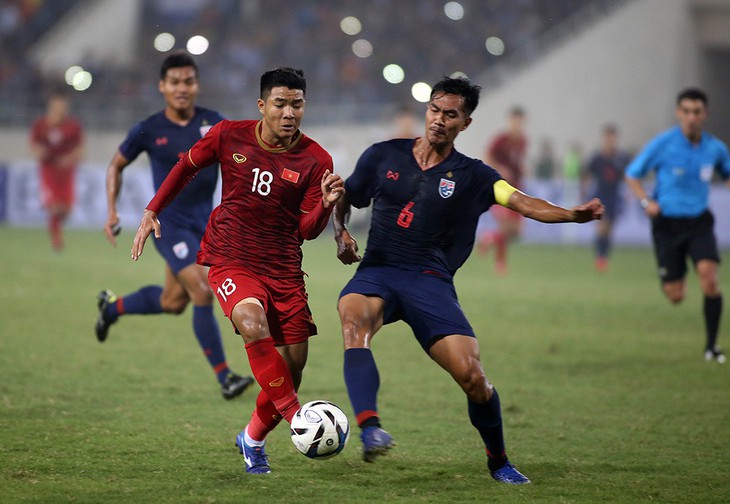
(692, 94)
(283, 77)
(460, 86)
(177, 59)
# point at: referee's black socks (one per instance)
(713, 311)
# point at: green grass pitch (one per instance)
(605, 395)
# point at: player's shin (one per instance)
(487, 419)
(363, 381)
(264, 419)
(273, 375)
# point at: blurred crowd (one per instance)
(247, 36)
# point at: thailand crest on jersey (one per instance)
(181, 250)
(446, 188)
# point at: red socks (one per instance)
(274, 377)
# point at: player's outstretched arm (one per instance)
(346, 244)
(149, 223)
(543, 211)
(113, 188)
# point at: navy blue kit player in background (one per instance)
(166, 136)
(684, 159)
(426, 200)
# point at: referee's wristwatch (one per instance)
(644, 202)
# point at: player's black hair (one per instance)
(283, 77)
(460, 86)
(692, 94)
(177, 59)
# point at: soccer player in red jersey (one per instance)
(506, 153)
(57, 142)
(278, 190)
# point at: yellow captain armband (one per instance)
(502, 192)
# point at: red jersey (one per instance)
(59, 139)
(508, 156)
(271, 199)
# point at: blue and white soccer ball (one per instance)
(320, 430)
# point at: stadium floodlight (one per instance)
(421, 92)
(393, 73)
(495, 46)
(82, 81)
(454, 10)
(71, 73)
(164, 41)
(362, 48)
(197, 45)
(351, 25)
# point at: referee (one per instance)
(684, 159)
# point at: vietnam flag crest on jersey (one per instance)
(290, 175)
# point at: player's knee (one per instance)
(475, 385)
(250, 320)
(356, 327)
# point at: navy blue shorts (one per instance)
(178, 246)
(427, 302)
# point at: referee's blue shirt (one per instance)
(683, 170)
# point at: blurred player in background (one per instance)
(427, 199)
(57, 142)
(278, 190)
(605, 170)
(506, 153)
(684, 160)
(166, 136)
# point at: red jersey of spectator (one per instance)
(271, 199)
(506, 153)
(58, 143)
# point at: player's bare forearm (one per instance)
(113, 188)
(347, 251)
(149, 223)
(543, 211)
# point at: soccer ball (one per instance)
(320, 430)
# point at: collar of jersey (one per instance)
(270, 148)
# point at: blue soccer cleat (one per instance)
(375, 441)
(255, 457)
(510, 475)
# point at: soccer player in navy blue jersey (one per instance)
(426, 198)
(166, 136)
(684, 160)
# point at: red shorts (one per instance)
(57, 186)
(285, 301)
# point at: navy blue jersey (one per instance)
(165, 142)
(421, 219)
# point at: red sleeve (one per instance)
(203, 153)
(313, 223)
(315, 216)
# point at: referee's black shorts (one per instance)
(675, 239)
